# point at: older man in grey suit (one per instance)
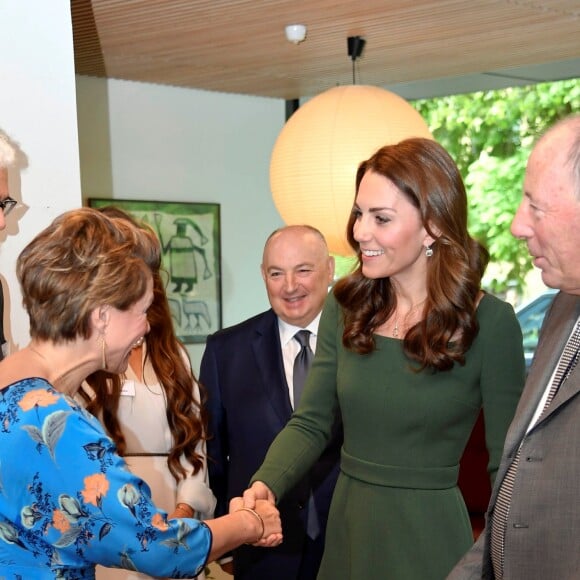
(533, 519)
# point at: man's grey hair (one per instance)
(7, 151)
(574, 153)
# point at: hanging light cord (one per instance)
(355, 46)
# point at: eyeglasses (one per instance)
(7, 205)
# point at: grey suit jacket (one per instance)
(543, 529)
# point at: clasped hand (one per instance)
(260, 498)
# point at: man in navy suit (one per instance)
(247, 370)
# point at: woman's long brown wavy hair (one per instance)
(186, 416)
(428, 177)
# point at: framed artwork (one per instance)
(189, 234)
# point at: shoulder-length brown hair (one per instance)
(186, 416)
(428, 177)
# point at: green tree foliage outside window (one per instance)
(490, 135)
(343, 265)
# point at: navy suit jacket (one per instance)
(248, 402)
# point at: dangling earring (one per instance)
(103, 350)
(428, 251)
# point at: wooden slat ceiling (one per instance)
(239, 46)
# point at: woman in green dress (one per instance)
(409, 350)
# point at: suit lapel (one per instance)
(555, 333)
(268, 354)
(553, 336)
(571, 387)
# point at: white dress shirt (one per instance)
(290, 348)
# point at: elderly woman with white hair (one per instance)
(7, 204)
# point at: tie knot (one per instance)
(303, 338)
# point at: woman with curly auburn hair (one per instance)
(155, 414)
(410, 349)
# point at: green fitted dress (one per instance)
(397, 513)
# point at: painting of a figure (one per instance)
(189, 234)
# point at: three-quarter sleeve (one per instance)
(503, 376)
(298, 446)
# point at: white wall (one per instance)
(38, 112)
(150, 142)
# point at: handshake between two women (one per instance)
(260, 505)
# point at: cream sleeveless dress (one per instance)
(142, 414)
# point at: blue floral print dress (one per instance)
(68, 501)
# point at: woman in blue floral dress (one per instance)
(67, 500)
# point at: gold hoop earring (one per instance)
(103, 350)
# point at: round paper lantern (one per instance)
(315, 158)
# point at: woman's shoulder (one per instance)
(34, 401)
(30, 389)
(39, 394)
(494, 312)
(331, 301)
(331, 306)
(491, 303)
(29, 382)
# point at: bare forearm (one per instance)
(233, 530)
